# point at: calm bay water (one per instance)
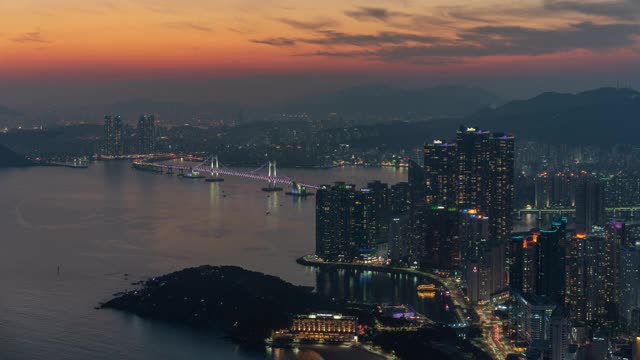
(102, 223)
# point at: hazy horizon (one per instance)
(262, 52)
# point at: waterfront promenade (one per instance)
(461, 305)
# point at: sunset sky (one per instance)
(57, 50)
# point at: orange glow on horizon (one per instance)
(160, 38)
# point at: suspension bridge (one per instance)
(213, 167)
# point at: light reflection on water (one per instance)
(100, 223)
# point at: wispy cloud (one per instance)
(478, 41)
(309, 25)
(30, 37)
(331, 38)
(276, 41)
(189, 25)
(619, 9)
(374, 13)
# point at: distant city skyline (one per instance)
(256, 52)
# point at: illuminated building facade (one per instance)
(629, 284)
(440, 162)
(324, 328)
(400, 198)
(531, 317)
(576, 277)
(595, 304)
(146, 132)
(349, 222)
(590, 208)
(334, 210)
(399, 241)
(615, 239)
(112, 138)
(473, 173)
(499, 198)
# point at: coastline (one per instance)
(459, 302)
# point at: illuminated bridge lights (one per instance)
(224, 171)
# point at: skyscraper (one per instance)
(475, 173)
(499, 195)
(472, 167)
(590, 208)
(146, 134)
(399, 240)
(350, 223)
(559, 334)
(416, 184)
(595, 266)
(400, 198)
(516, 263)
(629, 283)
(112, 138)
(107, 136)
(576, 277)
(442, 247)
(551, 263)
(615, 239)
(334, 233)
(440, 160)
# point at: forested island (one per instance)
(246, 305)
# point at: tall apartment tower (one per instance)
(112, 138)
(146, 134)
(590, 208)
(440, 169)
(475, 173)
(615, 240)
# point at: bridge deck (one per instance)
(223, 171)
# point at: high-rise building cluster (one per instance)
(567, 289)
(469, 184)
(118, 139)
(454, 213)
(589, 280)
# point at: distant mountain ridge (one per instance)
(602, 116)
(385, 100)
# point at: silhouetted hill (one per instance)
(247, 305)
(382, 101)
(603, 116)
(600, 117)
(9, 158)
(70, 140)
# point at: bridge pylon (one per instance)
(272, 177)
(214, 166)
